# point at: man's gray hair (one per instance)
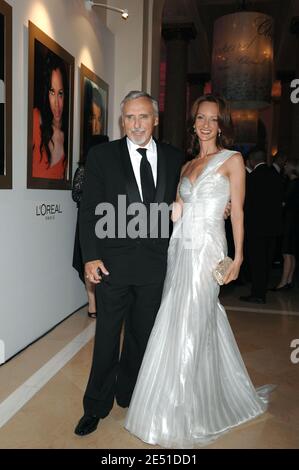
(133, 95)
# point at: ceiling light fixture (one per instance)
(89, 4)
(242, 69)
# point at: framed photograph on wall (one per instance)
(5, 95)
(94, 111)
(50, 113)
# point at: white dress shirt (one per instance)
(277, 167)
(259, 164)
(136, 157)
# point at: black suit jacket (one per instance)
(263, 202)
(109, 174)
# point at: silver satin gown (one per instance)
(193, 384)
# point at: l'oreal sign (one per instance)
(48, 210)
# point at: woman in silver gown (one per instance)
(193, 385)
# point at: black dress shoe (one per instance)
(252, 299)
(86, 425)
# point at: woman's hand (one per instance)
(233, 271)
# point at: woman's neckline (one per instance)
(204, 167)
(209, 154)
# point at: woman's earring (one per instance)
(219, 132)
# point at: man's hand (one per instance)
(227, 210)
(94, 271)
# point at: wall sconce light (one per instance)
(89, 4)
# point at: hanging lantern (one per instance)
(242, 61)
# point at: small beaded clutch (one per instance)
(221, 269)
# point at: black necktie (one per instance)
(146, 177)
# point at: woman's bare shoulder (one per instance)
(235, 159)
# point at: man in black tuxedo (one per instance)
(263, 213)
(128, 272)
(279, 161)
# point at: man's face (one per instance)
(138, 120)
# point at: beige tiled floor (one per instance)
(48, 419)
(22, 366)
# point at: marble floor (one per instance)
(42, 387)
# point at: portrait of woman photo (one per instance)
(93, 127)
(94, 116)
(50, 115)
